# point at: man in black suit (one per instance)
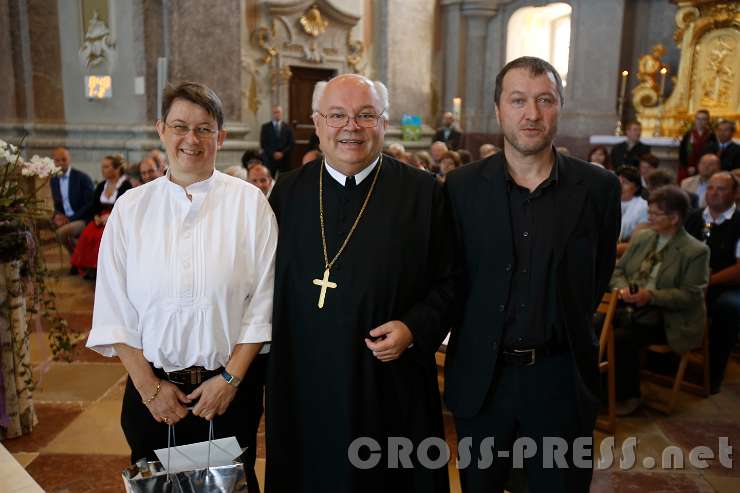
(729, 152)
(628, 153)
(276, 140)
(537, 234)
(71, 191)
(447, 133)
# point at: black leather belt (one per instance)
(195, 375)
(530, 356)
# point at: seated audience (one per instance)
(237, 171)
(150, 169)
(260, 177)
(718, 225)
(71, 192)
(396, 150)
(599, 155)
(696, 185)
(661, 280)
(465, 156)
(656, 179)
(160, 158)
(629, 151)
(487, 150)
(647, 164)
(729, 152)
(251, 157)
(424, 159)
(311, 155)
(437, 150)
(634, 207)
(450, 160)
(114, 184)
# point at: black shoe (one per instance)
(73, 271)
(90, 275)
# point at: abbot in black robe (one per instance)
(325, 388)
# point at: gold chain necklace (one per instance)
(324, 282)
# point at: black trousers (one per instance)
(538, 402)
(241, 420)
(632, 334)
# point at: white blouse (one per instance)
(185, 281)
(634, 212)
(112, 199)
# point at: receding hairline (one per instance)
(355, 78)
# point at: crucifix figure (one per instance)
(324, 283)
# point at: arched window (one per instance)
(543, 32)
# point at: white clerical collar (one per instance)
(342, 178)
(725, 216)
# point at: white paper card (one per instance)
(195, 455)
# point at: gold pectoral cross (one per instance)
(324, 283)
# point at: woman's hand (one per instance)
(214, 396)
(169, 406)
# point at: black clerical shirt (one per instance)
(532, 316)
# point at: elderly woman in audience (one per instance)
(114, 184)
(448, 161)
(660, 281)
(599, 155)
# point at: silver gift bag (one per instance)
(153, 477)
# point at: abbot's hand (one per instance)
(214, 396)
(394, 338)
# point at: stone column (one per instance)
(474, 113)
(380, 41)
(451, 70)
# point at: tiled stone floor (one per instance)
(78, 445)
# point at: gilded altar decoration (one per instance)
(312, 22)
(708, 35)
(98, 46)
(252, 99)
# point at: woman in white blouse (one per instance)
(184, 291)
(634, 207)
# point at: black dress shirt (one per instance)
(532, 317)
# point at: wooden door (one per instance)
(301, 87)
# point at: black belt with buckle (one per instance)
(529, 356)
(195, 375)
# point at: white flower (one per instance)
(41, 167)
(8, 152)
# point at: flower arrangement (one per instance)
(20, 211)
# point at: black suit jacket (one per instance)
(80, 193)
(730, 157)
(453, 141)
(620, 156)
(589, 215)
(271, 142)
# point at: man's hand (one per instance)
(641, 298)
(169, 405)
(214, 395)
(277, 155)
(394, 338)
(59, 219)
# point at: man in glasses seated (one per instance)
(718, 225)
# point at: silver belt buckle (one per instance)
(532, 353)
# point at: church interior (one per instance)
(88, 75)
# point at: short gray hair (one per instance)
(380, 90)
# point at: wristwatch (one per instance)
(231, 379)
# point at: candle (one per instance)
(623, 87)
(456, 108)
(663, 71)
